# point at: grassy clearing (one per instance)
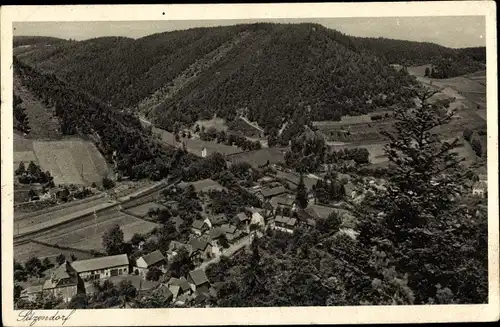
(72, 161)
(218, 123)
(142, 210)
(195, 146)
(24, 252)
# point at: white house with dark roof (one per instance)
(284, 224)
(103, 267)
(146, 262)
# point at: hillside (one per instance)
(447, 62)
(118, 136)
(269, 69)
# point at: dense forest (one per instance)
(118, 135)
(264, 68)
(448, 62)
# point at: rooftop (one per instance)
(100, 263)
(181, 282)
(198, 224)
(198, 244)
(270, 192)
(153, 257)
(198, 276)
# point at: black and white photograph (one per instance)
(248, 163)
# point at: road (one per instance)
(245, 241)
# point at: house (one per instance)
(142, 286)
(199, 227)
(63, 282)
(164, 291)
(199, 280)
(265, 194)
(201, 248)
(231, 232)
(179, 286)
(350, 190)
(146, 262)
(285, 201)
(285, 224)
(100, 268)
(218, 220)
(257, 217)
(480, 188)
(243, 220)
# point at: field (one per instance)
(376, 150)
(70, 161)
(88, 234)
(142, 210)
(24, 252)
(245, 128)
(195, 146)
(260, 157)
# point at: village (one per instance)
(210, 233)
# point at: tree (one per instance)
(107, 183)
(477, 147)
(60, 259)
(34, 267)
(154, 274)
(467, 133)
(427, 71)
(301, 197)
(418, 224)
(330, 224)
(47, 264)
(20, 274)
(136, 239)
(79, 301)
(181, 264)
(73, 257)
(21, 169)
(127, 290)
(112, 240)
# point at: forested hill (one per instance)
(118, 135)
(450, 62)
(264, 71)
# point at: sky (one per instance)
(453, 32)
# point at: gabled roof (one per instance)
(181, 282)
(242, 216)
(198, 276)
(153, 257)
(198, 244)
(216, 233)
(270, 192)
(100, 263)
(198, 224)
(228, 229)
(218, 220)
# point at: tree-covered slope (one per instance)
(118, 135)
(449, 62)
(265, 71)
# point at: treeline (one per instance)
(118, 135)
(448, 62)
